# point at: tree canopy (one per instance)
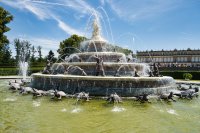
(23, 50)
(39, 49)
(123, 50)
(70, 45)
(5, 18)
(50, 56)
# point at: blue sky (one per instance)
(134, 24)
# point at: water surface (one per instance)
(25, 114)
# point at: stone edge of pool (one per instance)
(177, 81)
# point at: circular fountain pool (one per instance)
(20, 113)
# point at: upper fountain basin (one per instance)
(90, 57)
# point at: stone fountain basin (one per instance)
(107, 56)
(103, 86)
(110, 68)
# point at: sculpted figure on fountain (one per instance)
(156, 71)
(47, 69)
(151, 73)
(99, 66)
(136, 74)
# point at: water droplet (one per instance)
(36, 103)
(76, 110)
(118, 109)
(10, 99)
(171, 111)
(63, 110)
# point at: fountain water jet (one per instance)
(126, 85)
(24, 54)
(23, 66)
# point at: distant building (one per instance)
(171, 58)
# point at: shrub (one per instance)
(187, 76)
(15, 71)
(179, 74)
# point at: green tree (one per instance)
(6, 56)
(70, 45)
(17, 46)
(123, 50)
(50, 56)
(187, 76)
(33, 51)
(39, 49)
(5, 18)
(23, 50)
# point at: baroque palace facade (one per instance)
(171, 58)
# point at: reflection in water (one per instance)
(24, 114)
(76, 110)
(118, 109)
(10, 99)
(36, 103)
(161, 110)
(63, 110)
(171, 111)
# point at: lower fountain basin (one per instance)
(103, 86)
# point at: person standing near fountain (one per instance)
(99, 66)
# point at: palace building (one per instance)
(171, 58)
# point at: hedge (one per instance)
(174, 74)
(15, 71)
(179, 74)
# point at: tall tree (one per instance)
(70, 45)
(50, 56)
(5, 18)
(23, 50)
(39, 49)
(6, 56)
(17, 45)
(33, 51)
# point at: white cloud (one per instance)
(27, 5)
(80, 6)
(47, 44)
(48, 3)
(37, 10)
(141, 9)
(43, 12)
(67, 28)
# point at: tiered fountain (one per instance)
(100, 70)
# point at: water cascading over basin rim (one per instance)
(110, 68)
(102, 86)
